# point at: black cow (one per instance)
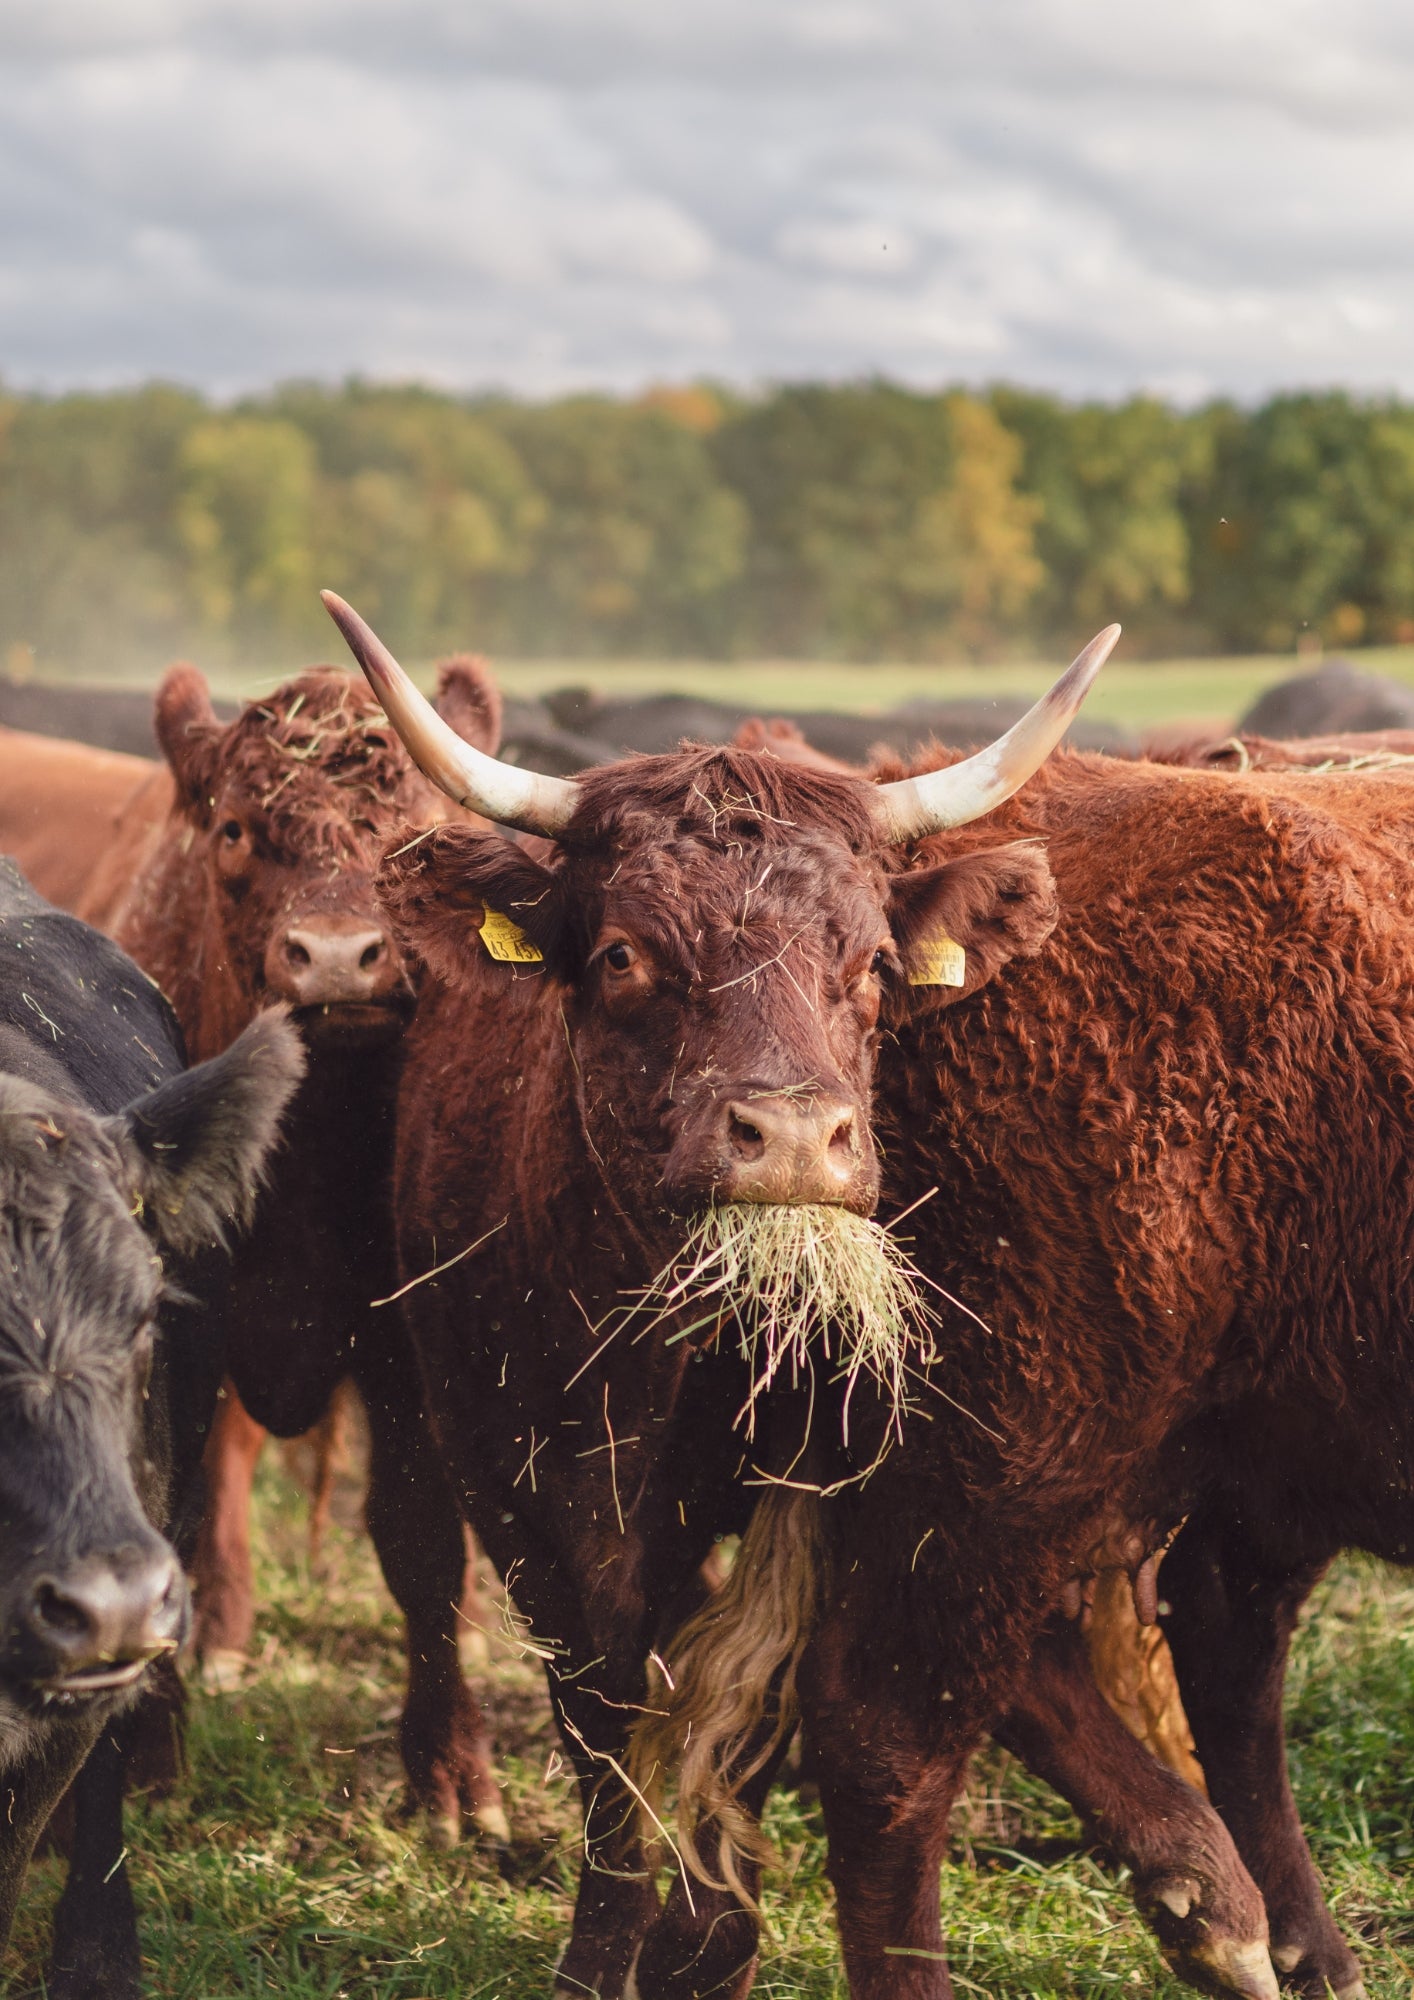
(112, 1156)
(1334, 700)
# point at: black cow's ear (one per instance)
(198, 1144)
(461, 899)
(189, 731)
(956, 925)
(468, 698)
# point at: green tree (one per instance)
(883, 521)
(640, 541)
(1112, 534)
(244, 517)
(1307, 524)
(424, 510)
(89, 562)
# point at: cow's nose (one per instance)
(106, 1617)
(321, 962)
(793, 1149)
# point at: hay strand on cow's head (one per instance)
(794, 1281)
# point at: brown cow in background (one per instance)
(239, 873)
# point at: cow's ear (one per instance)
(197, 1145)
(189, 731)
(958, 924)
(468, 698)
(459, 898)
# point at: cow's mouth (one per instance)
(354, 1023)
(781, 1282)
(105, 1678)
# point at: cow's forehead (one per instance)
(319, 745)
(727, 798)
(701, 902)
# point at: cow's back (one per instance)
(71, 814)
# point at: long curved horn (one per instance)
(512, 797)
(914, 807)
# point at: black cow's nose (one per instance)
(326, 961)
(792, 1149)
(103, 1617)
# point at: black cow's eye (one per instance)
(233, 831)
(879, 964)
(620, 956)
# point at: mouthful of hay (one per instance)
(793, 1283)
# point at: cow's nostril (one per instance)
(59, 1614)
(842, 1138)
(296, 953)
(746, 1139)
(371, 955)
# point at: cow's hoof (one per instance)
(563, 1990)
(222, 1670)
(1228, 1965)
(443, 1829)
(1301, 1971)
(492, 1821)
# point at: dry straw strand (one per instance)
(793, 1280)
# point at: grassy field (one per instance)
(1138, 694)
(281, 1866)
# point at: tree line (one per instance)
(863, 521)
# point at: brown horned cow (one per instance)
(238, 874)
(1176, 1191)
(679, 1007)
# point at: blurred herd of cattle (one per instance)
(573, 728)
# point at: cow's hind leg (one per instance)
(1229, 1627)
(417, 1530)
(1188, 1879)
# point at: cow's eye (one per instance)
(232, 831)
(620, 957)
(879, 963)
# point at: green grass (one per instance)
(280, 1864)
(1139, 694)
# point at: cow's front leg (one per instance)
(1229, 1628)
(96, 1954)
(1188, 1879)
(706, 1940)
(417, 1530)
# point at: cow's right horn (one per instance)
(502, 792)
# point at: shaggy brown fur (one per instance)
(560, 1121)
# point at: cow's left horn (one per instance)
(510, 796)
(914, 807)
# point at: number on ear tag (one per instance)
(938, 961)
(508, 942)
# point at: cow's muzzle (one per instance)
(92, 1627)
(780, 1146)
(342, 972)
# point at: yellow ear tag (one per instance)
(508, 942)
(939, 961)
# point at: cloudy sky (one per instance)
(1090, 195)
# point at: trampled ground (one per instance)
(280, 1866)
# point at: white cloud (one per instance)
(540, 193)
